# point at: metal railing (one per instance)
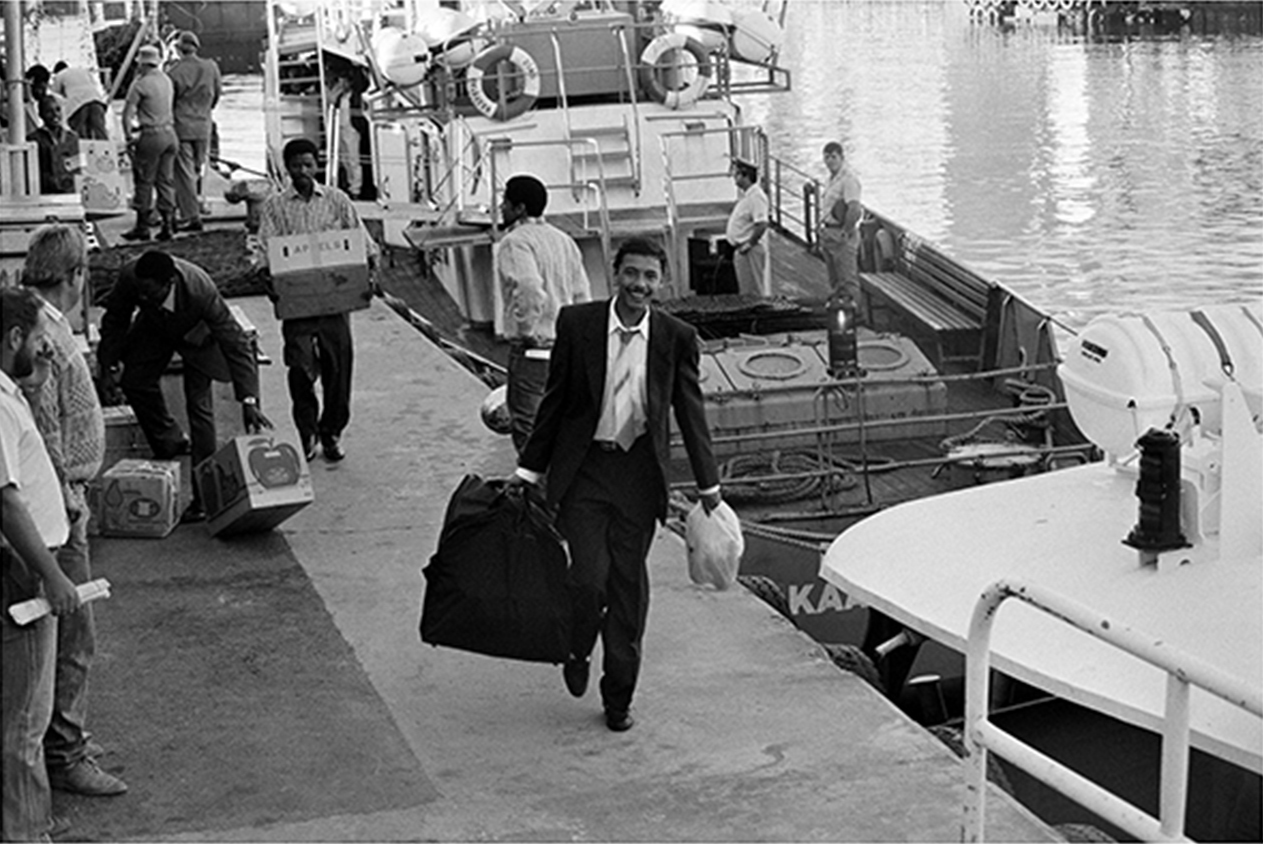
(982, 736)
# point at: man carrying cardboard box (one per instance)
(318, 346)
(159, 306)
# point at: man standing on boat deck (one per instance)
(150, 102)
(159, 306)
(603, 436)
(540, 270)
(746, 226)
(198, 86)
(320, 346)
(33, 525)
(69, 417)
(840, 213)
(85, 100)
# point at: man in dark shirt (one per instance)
(58, 149)
(159, 306)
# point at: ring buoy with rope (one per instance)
(496, 104)
(657, 78)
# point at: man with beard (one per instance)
(33, 525)
(69, 417)
(318, 347)
(603, 436)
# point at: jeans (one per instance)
(527, 378)
(65, 743)
(841, 258)
(188, 176)
(27, 666)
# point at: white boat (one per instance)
(1184, 574)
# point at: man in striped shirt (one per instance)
(318, 347)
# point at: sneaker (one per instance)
(135, 234)
(85, 777)
(309, 448)
(193, 513)
(191, 226)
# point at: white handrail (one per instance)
(981, 735)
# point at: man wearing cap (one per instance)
(198, 86)
(149, 123)
(746, 227)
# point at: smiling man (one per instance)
(602, 434)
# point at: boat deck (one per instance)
(274, 687)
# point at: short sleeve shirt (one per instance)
(24, 463)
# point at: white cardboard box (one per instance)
(319, 274)
(253, 483)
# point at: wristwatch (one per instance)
(251, 401)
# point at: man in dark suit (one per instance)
(159, 306)
(602, 435)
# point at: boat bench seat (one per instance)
(945, 301)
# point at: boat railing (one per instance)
(597, 188)
(833, 425)
(634, 100)
(982, 736)
(794, 207)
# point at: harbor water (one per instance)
(1090, 174)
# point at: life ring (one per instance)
(491, 104)
(655, 77)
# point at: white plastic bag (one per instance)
(715, 545)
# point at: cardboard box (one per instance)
(136, 498)
(253, 483)
(319, 274)
(123, 438)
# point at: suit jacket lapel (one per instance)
(595, 350)
(658, 363)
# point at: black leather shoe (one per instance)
(309, 448)
(575, 673)
(619, 720)
(135, 234)
(192, 514)
(332, 449)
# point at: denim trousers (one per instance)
(527, 378)
(27, 668)
(66, 741)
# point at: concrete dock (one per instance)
(745, 730)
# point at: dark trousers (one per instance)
(607, 516)
(528, 376)
(88, 121)
(319, 348)
(145, 359)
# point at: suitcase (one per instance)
(496, 585)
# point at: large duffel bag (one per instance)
(497, 583)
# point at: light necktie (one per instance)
(626, 425)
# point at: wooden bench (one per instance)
(943, 301)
